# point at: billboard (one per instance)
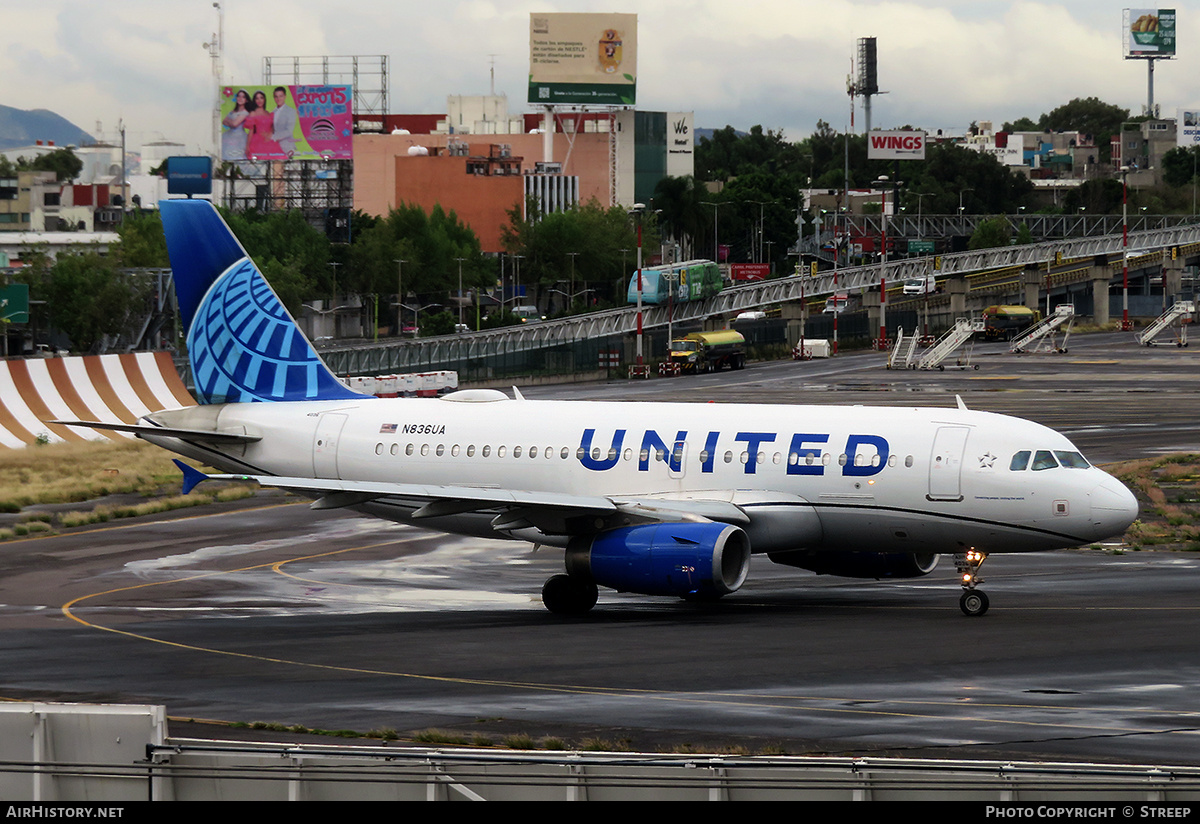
(583, 59)
(896, 145)
(1187, 128)
(302, 122)
(189, 175)
(1149, 33)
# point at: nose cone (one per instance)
(1113, 508)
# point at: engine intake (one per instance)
(664, 559)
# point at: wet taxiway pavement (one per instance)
(269, 611)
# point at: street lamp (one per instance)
(637, 211)
(1126, 326)
(400, 298)
(883, 181)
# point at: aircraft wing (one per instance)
(517, 508)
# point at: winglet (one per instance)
(961, 405)
(517, 396)
(191, 476)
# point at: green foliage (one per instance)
(1179, 166)
(63, 162)
(88, 297)
(292, 255)
(438, 323)
(1100, 196)
(991, 233)
(429, 244)
(142, 242)
(604, 242)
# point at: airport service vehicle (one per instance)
(709, 351)
(678, 282)
(667, 499)
(923, 285)
(1006, 322)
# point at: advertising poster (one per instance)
(1187, 129)
(1150, 33)
(583, 59)
(302, 122)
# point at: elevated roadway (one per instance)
(367, 359)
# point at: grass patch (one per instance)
(73, 472)
(1168, 493)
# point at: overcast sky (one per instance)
(779, 63)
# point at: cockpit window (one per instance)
(1020, 461)
(1071, 460)
(1043, 459)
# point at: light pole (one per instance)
(460, 292)
(1126, 326)
(400, 297)
(637, 211)
(716, 244)
(883, 181)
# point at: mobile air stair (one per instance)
(1177, 319)
(1043, 336)
(964, 330)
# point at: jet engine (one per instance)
(860, 564)
(702, 559)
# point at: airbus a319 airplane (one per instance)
(653, 498)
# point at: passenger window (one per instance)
(441, 450)
(500, 451)
(424, 449)
(908, 461)
(471, 451)
(1020, 461)
(408, 450)
(395, 449)
(1071, 460)
(566, 452)
(378, 449)
(728, 457)
(454, 450)
(516, 452)
(487, 450)
(703, 456)
(1042, 459)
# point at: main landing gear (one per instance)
(973, 602)
(568, 595)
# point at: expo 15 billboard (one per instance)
(302, 122)
(583, 59)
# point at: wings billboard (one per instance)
(298, 122)
(583, 59)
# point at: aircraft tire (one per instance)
(564, 595)
(973, 603)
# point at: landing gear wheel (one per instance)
(973, 602)
(565, 595)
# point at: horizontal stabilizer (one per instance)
(207, 436)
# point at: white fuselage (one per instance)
(832, 478)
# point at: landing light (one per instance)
(967, 578)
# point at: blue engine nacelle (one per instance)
(664, 559)
(860, 564)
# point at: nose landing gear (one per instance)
(973, 602)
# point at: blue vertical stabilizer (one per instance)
(243, 344)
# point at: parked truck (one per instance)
(709, 351)
(1006, 322)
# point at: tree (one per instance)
(142, 242)
(63, 162)
(601, 239)
(88, 297)
(991, 233)
(1179, 166)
